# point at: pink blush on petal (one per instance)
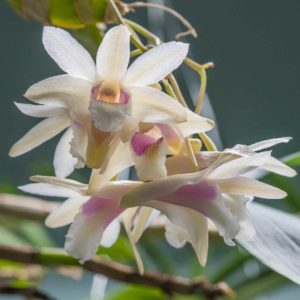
(95, 204)
(204, 190)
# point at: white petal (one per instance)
(156, 64)
(143, 220)
(119, 160)
(276, 166)
(268, 143)
(64, 163)
(63, 91)
(85, 233)
(153, 106)
(111, 234)
(76, 186)
(40, 111)
(78, 144)
(98, 287)
(236, 165)
(40, 133)
(70, 56)
(65, 213)
(127, 221)
(114, 53)
(47, 189)
(277, 240)
(248, 186)
(194, 124)
(188, 226)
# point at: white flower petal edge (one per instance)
(192, 227)
(70, 56)
(277, 240)
(48, 189)
(156, 64)
(65, 213)
(40, 133)
(64, 163)
(114, 53)
(268, 143)
(40, 111)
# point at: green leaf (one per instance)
(7, 237)
(293, 160)
(137, 293)
(61, 13)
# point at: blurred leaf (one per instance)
(260, 286)
(138, 293)
(36, 234)
(61, 13)
(120, 251)
(293, 160)
(9, 238)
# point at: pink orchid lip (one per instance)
(141, 142)
(123, 99)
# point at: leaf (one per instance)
(61, 13)
(137, 293)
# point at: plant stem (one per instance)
(53, 257)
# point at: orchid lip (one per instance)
(110, 92)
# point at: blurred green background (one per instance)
(254, 90)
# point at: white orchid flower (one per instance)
(219, 193)
(147, 150)
(179, 164)
(100, 102)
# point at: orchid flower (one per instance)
(179, 164)
(103, 102)
(218, 193)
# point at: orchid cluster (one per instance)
(117, 117)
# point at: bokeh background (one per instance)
(254, 89)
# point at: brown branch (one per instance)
(31, 293)
(25, 207)
(113, 270)
(190, 29)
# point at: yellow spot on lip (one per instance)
(109, 92)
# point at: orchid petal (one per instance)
(236, 166)
(276, 242)
(111, 234)
(156, 64)
(114, 53)
(70, 56)
(65, 213)
(40, 133)
(127, 221)
(276, 166)
(62, 91)
(247, 186)
(40, 111)
(143, 220)
(47, 189)
(268, 143)
(117, 161)
(86, 232)
(61, 182)
(190, 226)
(153, 106)
(64, 163)
(202, 197)
(194, 124)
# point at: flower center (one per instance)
(109, 91)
